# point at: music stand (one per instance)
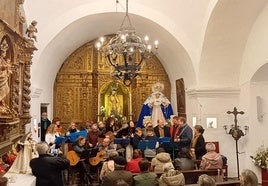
(171, 146)
(146, 144)
(163, 139)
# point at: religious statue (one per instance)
(26, 153)
(114, 103)
(5, 71)
(156, 105)
(31, 30)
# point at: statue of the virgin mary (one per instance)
(156, 105)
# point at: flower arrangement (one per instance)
(261, 157)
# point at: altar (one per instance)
(15, 179)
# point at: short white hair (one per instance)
(42, 148)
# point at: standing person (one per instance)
(45, 122)
(156, 105)
(51, 134)
(72, 129)
(92, 136)
(137, 138)
(248, 178)
(161, 130)
(79, 146)
(198, 145)
(182, 136)
(48, 169)
(145, 177)
(56, 121)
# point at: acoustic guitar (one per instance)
(101, 156)
(72, 157)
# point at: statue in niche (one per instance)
(114, 103)
(156, 105)
(5, 71)
(31, 30)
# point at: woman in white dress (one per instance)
(26, 153)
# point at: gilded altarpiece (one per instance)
(84, 84)
(15, 61)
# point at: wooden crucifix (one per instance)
(236, 134)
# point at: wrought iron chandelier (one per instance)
(126, 51)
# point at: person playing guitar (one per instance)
(78, 156)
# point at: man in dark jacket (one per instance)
(161, 130)
(47, 168)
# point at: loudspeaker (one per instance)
(259, 108)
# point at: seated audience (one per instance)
(133, 165)
(171, 177)
(198, 144)
(145, 178)
(206, 180)
(160, 160)
(72, 129)
(184, 160)
(119, 176)
(137, 138)
(48, 169)
(161, 130)
(92, 136)
(248, 178)
(212, 159)
(108, 166)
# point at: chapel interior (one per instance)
(212, 58)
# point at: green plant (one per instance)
(261, 157)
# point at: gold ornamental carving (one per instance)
(84, 82)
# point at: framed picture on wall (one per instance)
(211, 122)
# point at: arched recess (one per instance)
(225, 40)
(84, 78)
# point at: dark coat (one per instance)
(48, 169)
(166, 131)
(200, 147)
(113, 178)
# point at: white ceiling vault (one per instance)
(203, 41)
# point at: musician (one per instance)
(106, 146)
(137, 138)
(161, 130)
(110, 124)
(56, 121)
(102, 129)
(50, 136)
(80, 149)
(92, 136)
(72, 129)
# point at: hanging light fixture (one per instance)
(126, 51)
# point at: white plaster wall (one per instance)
(215, 103)
(255, 53)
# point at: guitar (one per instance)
(111, 135)
(101, 156)
(72, 157)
